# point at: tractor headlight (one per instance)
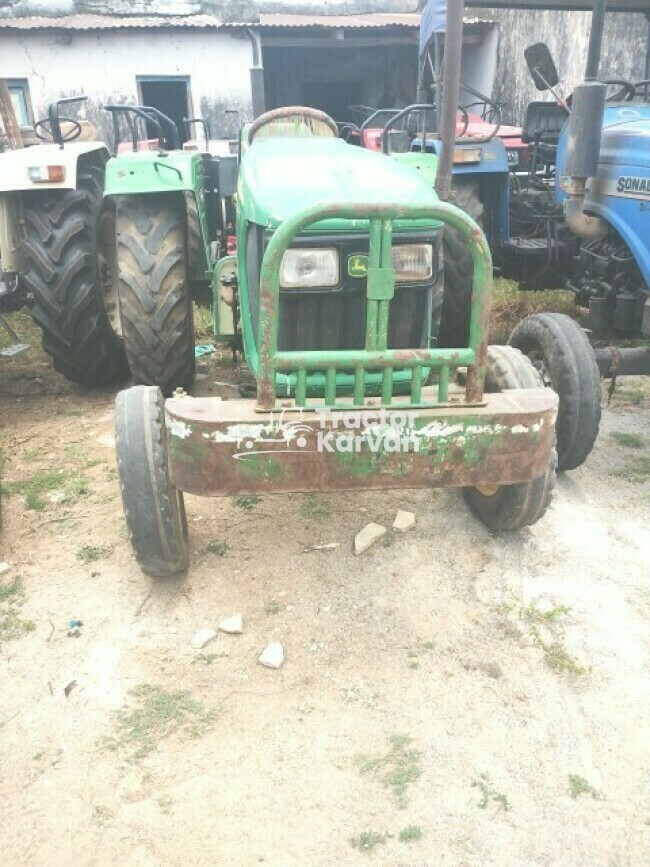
(304, 267)
(413, 263)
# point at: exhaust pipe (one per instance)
(583, 152)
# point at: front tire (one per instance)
(155, 303)
(458, 270)
(68, 273)
(512, 507)
(561, 351)
(154, 510)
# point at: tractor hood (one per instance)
(626, 136)
(281, 176)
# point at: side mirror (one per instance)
(541, 66)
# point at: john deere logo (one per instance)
(358, 265)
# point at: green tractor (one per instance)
(334, 293)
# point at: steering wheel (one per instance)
(43, 130)
(626, 92)
(291, 111)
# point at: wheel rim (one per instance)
(539, 363)
(108, 274)
(488, 490)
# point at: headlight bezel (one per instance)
(410, 279)
(296, 252)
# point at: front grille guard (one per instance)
(379, 293)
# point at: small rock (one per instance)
(404, 521)
(4, 567)
(232, 625)
(202, 637)
(273, 655)
(367, 537)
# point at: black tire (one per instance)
(61, 250)
(154, 510)
(512, 507)
(458, 270)
(157, 316)
(560, 350)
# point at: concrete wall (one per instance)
(567, 36)
(104, 66)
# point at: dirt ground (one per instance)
(447, 698)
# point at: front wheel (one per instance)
(154, 509)
(512, 507)
(561, 352)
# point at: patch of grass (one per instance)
(12, 596)
(273, 607)
(510, 306)
(314, 507)
(531, 613)
(557, 658)
(579, 786)
(90, 553)
(217, 547)
(633, 391)
(203, 324)
(397, 768)
(247, 501)
(63, 483)
(636, 470)
(489, 794)
(410, 833)
(367, 840)
(165, 803)
(208, 658)
(158, 713)
(628, 440)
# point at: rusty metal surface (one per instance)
(369, 21)
(110, 22)
(225, 447)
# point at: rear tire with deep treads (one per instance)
(155, 303)
(560, 349)
(154, 510)
(458, 269)
(512, 507)
(60, 248)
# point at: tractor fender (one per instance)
(15, 165)
(154, 172)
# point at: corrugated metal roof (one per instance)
(109, 22)
(371, 21)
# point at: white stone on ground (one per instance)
(232, 625)
(273, 655)
(202, 637)
(367, 537)
(404, 521)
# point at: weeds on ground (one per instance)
(410, 833)
(489, 794)
(555, 654)
(579, 786)
(62, 486)
(217, 547)
(12, 596)
(272, 607)
(367, 840)
(90, 553)
(635, 470)
(247, 501)
(208, 658)
(628, 440)
(158, 713)
(397, 768)
(314, 507)
(510, 305)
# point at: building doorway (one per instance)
(169, 94)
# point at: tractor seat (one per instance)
(544, 122)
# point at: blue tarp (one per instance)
(433, 20)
